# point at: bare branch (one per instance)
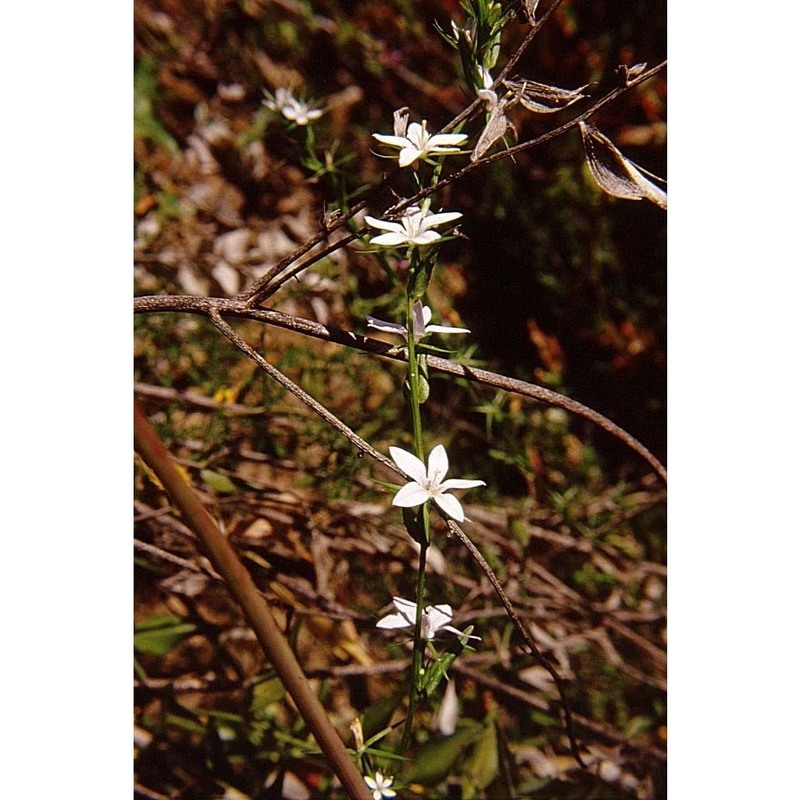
(523, 632)
(300, 394)
(207, 306)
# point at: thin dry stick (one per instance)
(523, 631)
(532, 700)
(475, 374)
(214, 306)
(254, 605)
(289, 385)
(539, 140)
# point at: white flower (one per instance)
(379, 785)
(434, 619)
(446, 716)
(428, 485)
(413, 228)
(418, 143)
(421, 316)
(292, 108)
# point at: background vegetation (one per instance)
(559, 284)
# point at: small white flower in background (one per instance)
(428, 484)
(421, 317)
(416, 143)
(446, 716)
(434, 618)
(413, 228)
(380, 785)
(292, 108)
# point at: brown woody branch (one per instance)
(254, 605)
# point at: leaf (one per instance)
(541, 97)
(496, 125)
(265, 694)
(145, 124)
(484, 764)
(218, 482)
(158, 635)
(424, 380)
(377, 716)
(436, 759)
(419, 279)
(438, 670)
(615, 174)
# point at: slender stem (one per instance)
(254, 605)
(417, 669)
(415, 401)
(413, 382)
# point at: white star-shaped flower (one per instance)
(292, 108)
(434, 619)
(413, 228)
(380, 785)
(417, 143)
(429, 484)
(421, 317)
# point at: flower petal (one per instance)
(439, 615)
(450, 505)
(392, 621)
(407, 607)
(426, 237)
(418, 320)
(411, 495)
(447, 140)
(432, 220)
(384, 224)
(389, 239)
(386, 327)
(445, 329)
(459, 483)
(409, 464)
(417, 134)
(408, 155)
(459, 633)
(437, 464)
(392, 141)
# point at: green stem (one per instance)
(417, 666)
(417, 669)
(413, 381)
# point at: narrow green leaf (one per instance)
(158, 635)
(437, 757)
(483, 765)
